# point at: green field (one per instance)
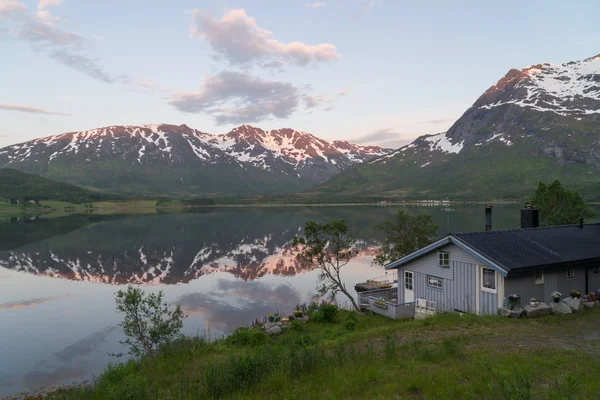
(444, 357)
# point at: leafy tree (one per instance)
(559, 205)
(149, 323)
(328, 247)
(405, 234)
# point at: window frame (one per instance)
(441, 282)
(569, 277)
(441, 256)
(412, 280)
(540, 281)
(486, 289)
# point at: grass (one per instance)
(444, 357)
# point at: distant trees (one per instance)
(404, 234)
(328, 247)
(559, 205)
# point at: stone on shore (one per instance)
(516, 313)
(561, 308)
(275, 330)
(592, 304)
(576, 305)
(540, 310)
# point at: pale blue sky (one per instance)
(404, 68)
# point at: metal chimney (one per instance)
(530, 217)
(488, 217)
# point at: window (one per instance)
(408, 280)
(488, 280)
(571, 273)
(435, 282)
(539, 277)
(444, 258)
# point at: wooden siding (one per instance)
(525, 285)
(488, 303)
(461, 282)
(594, 280)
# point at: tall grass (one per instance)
(396, 360)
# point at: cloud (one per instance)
(343, 92)
(317, 101)
(11, 7)
(48, 3)
(88, 66)
(238, 38)
(40, 29)
(385, 137)
(439, 121)
(17, 305)
(316, 4)
(35, 110)
(235, 97)
(371, 4)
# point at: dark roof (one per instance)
(532, 248)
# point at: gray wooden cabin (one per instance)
(475, 272)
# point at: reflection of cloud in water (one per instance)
(66, 365)
(19, 304)
(252, 300)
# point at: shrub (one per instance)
(246, 337)
(296, 325)
(350, 323)
(325, 313)
(148, 323)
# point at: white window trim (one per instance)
(440, 259)
(489, 290)
(435, 287)
(541, 281)
(568, 276)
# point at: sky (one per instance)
(370, 71)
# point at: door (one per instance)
(409, 292)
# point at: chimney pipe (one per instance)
(581, 222)
(530, 217)
(488, 217)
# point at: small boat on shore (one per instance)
(382, 282)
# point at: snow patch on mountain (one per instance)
(442, 143)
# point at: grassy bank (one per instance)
(445, 357)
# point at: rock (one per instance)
(269, 325)
(304, 319)
(592, 304)
(560, 308)
(576, 305)
(541, 309)
(516, 313)
(275, 330)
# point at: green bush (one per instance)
(326, 313)
(246, 337)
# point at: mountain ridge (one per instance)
(535, 124)
(159, 158)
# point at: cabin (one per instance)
(475, 272)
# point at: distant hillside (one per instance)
(20, 185)
(536, 124)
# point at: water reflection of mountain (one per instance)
(177, 248)
(168, 249)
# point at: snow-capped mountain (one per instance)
(157, 158)
(539, 123)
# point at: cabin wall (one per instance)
(593, 279)
(554, 280)
(461, 282)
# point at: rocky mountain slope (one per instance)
(171, 159)
(538, 123)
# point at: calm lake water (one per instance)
(225, 266)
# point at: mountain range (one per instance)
(538, 123)
(177, 160)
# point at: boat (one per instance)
(382, 282)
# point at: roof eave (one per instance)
(409, 257)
